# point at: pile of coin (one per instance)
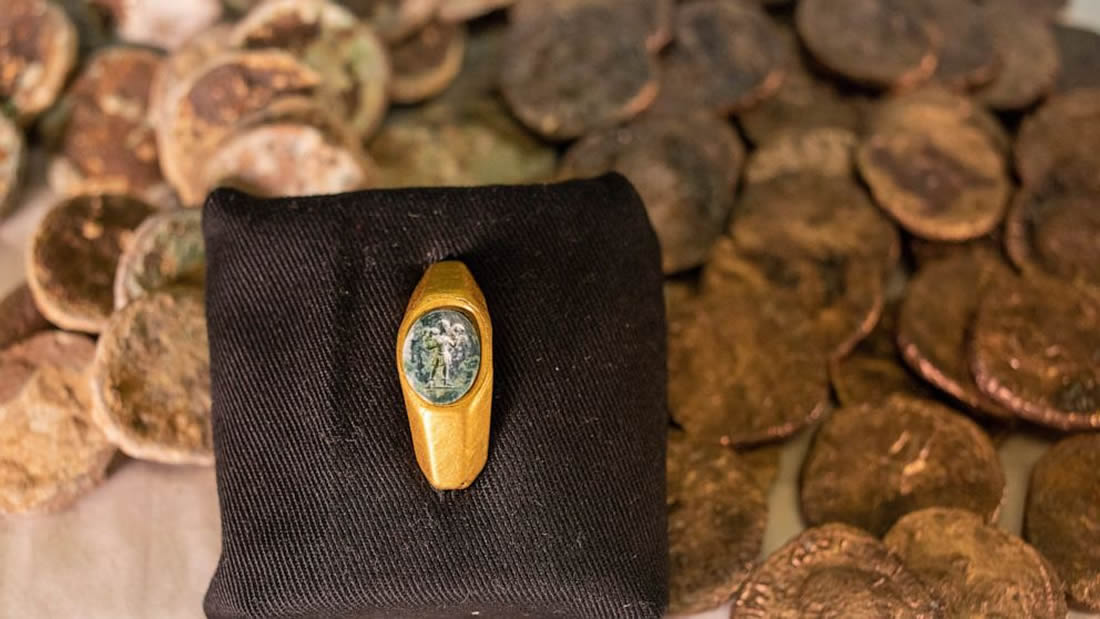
(878, 218)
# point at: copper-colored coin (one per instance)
(826, 151)
(218, 99)
(1079, 52)
(803, 102)
(685, 169)
(735, 53)
(13, 155)
(569, 74)
(394, 19)
(966, 55)
(834, 571)
(166, 25)
(19, 316)
(1029, 59)
(881, 43)
(175, 69)
(37, 51)
(151, 379)
(427, 62)
(1034, 350)
(871, 464)
(975, 568)
(464, 10)
(1063, 507)
(50, 452)
(73, 254)
(649, 20)
(107, 144)
(167, 249)
(945, 183)
(716, 516)
(936, 107)
(936, 316)
(1062, 132)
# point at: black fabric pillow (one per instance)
(324, 510)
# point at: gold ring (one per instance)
(445, 365)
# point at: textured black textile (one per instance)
(324, 511)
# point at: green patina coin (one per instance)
(442, 355)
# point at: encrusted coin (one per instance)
(716, 516)
(966, 55)
(943, 183)
(38, 48)
(803, 102)
(1079, 52)
(936, 316)
(826, 151)
(50, 451)
(569, 74)
(19, 316)
(167, 249)
(1061, 132)
(13, 154)
(107, 144)
(881, 43)
(911, 454)
(427, 62)
(1035, 349)
(934, 106)
(151, 379)
(685, 169)
(834, 571)
(73, 254)
(1063, 509)
(1029, 59)
(177, 67)
(166, 25)
(975, 568)
(394, 19)
(649, 20)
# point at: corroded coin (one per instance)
(218, 99)
(37, 51)
(911, 454)
(13, 155)
(73, 254)
(803, 102)
(1063, 507)
(427, 62)
(685, 170)
(881, 43)
(934, 106)
(826, 151)
(966, 55)
(151, 379)
(936, 316)
(107, 144)
(394, 19)
(50, 451)
(177, 67)
(167, 249)
(19, 316)
(834, 570)
(923, 251)
(1063, 131)
(859, 379)
(569, 74)
(166, 25)
(463, 10)
(1079, 52)
(1034, 350)
(287, 159)
(649, 20)
(944, 183)
(1029, 59)
(734, 52)
(975, 568)
(716, 516)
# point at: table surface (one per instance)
(145, 544)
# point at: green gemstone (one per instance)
(441, 356)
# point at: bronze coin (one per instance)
(834, 571)
(569, 74)
(735, 52)
(966, 54)
(1034, 350)
(803, 102)
(1029, 59)
(1063, 131)
(167, 250)
(13, 155)
(1063, 507)
(975, 568)
(943, 182)
(177, 67)
(924, 252)
(107, 144)
(1079, 51)
(934, 106)
(934, 327)
(879, 43)
(73, 254)
(37, 51)
(19, 316)
(716, 516)
(650, 20)
(870, 464)
(166, 25)
(826, 151)
(151, 379)
(685, 168)
(394, 19)
(427, 62)
(46, 349)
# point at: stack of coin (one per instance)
(878, 220)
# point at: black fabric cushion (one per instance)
(324, 510)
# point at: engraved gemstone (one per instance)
(441, 355)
